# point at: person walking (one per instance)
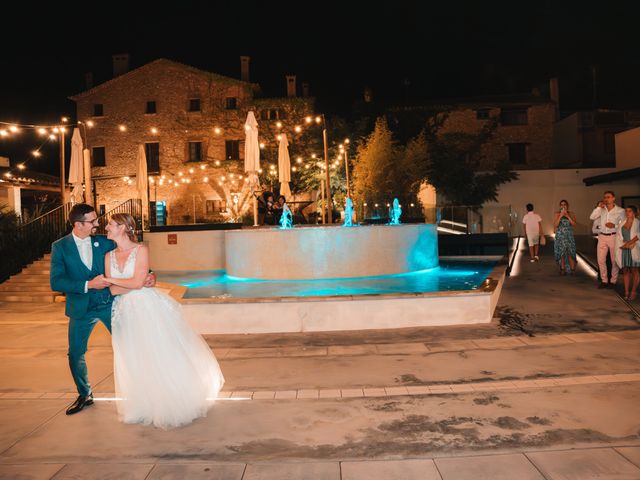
(533, 229)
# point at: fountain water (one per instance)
(395, 212)
(286, 220)
(348, 213)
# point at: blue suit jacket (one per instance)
(69, 274)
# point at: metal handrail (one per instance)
(66, 206)
(133, 207)
(32, 240)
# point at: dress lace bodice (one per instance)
(129, 264)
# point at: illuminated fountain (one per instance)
(327, 278)
(348, 213)
(395, 212)
(286, 220)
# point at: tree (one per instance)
(373, 171)
(457, 169)
(385, 170)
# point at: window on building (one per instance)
(514, 116)
(272, 114)
(609, 140)
(231, 103)
(232, 149)
(216, 206)
(152, 151)
(482, 114)
(194, 105)
(98, 157)
(151, 107)
(517, 153)
(98, 110)
(195, 152)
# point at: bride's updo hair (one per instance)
(128, 222)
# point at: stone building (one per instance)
(191, 124)
(524, 131)
(587, 139)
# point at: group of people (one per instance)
(618, 233)
(270, 212)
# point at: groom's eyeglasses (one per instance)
(95, 222)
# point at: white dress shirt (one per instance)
(86, 254)
(615, 216)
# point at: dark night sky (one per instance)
(444, 49)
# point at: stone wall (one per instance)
(537, 134)
(185, 186)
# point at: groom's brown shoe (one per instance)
(80, 403)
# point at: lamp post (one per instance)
(326, 168)
(62, 173)
(346, 165)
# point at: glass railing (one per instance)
(464, 219)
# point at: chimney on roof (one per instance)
(244, 68)
(120, 64)
(305, 89)
(554, 90)
(368, 95)
(291, 85)
(88, 80)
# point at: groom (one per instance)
(77, 269)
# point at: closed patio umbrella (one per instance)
(252, 159)
(284, 167)
(76, 171)
(141, 182)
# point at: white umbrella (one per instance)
(252, 158)
(141, 180)
(87, 177)
(76, 174)
(284, 167)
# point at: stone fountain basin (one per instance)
(330, 252)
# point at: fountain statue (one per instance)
(286, 220)
(348, 213)
(395, 212)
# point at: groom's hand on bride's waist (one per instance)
(150, 281)
(98, 283)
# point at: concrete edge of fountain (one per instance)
(341, 312)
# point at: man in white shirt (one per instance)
(609, 216)
(533, 229)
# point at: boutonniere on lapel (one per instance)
(96, 244)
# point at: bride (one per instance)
(165, 373)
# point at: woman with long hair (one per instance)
(564, 247)
(165, 373)
(628, 251)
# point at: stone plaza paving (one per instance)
(549, 390)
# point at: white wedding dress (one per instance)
(165, 373)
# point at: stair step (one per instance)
(40, 263)
(36, 271)
(21, 287)
(30, 278)
(26, 298)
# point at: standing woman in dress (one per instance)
(564, 247)
(628, 252)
